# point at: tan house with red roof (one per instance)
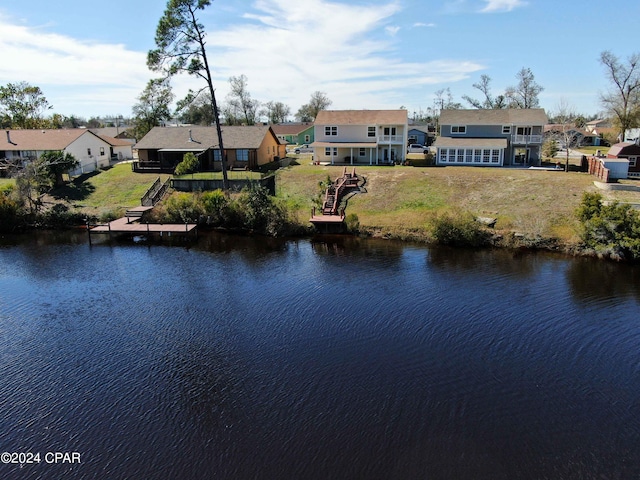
(361, 137)
(92, 151)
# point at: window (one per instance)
(216, 155)
(331, 131)
(506, 129)
(486, 156)
(371, 131)
(102, 151)
(328, 153)
(477, 155)
(362, 152)
(443, 155)
(242, 155)
(632, 161)
(89, 151)
(459, 129)
(307, 138)
(468, 156)
(460, 156)
(389, 130)
(495, 156)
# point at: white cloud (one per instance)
(502, 5)
(348, 51)
(421, 25)
(392, 30)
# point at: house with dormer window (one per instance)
(501, 137)
(360, 137)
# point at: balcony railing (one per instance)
(525, 139)
(390, 139)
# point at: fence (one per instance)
(237, 184)
(597, 169)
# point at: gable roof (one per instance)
(116, 142)
(361, 117)
(506, 116)
(291, 129)
(624, 148)
(202, 138)
(41, 140)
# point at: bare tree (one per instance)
(240, 102)
(489, 101)
(276, 112)
(623, 101)
(566, 134)
(180, 38)
(309, 111)
(525, 94)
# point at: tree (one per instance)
(180, 39)
(309, 111)
(153, 106)
(22, 105)
(622, 102)
(525, 94)
(276, 112)
(189, 164)
(489, 101)
(197, 112)
(54, 164)
(239, 101)
(565, 118)
(550, 148)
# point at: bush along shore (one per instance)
(606, 230)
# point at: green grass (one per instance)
(593, 150)
(403, 200)
(115, 189)
(6, 181)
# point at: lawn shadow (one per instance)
(77, 189)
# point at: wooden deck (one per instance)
(127, 225)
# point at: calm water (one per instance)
(342, 359)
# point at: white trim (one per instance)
(461, 130)
(488, 157)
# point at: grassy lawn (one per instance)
(593, 150)
(112, 190)
(404, 199)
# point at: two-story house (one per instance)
(495, 138)
(360, 137)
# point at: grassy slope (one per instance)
(112, 190)
(401, 200)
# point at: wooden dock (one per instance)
(129, 226)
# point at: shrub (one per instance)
(610, 230)
(352, 222)
(9, 212)
(189, 164)
(183, 208)
(215, 205)
(460, 230)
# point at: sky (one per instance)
(89, 58)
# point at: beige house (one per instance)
(245, 147)
(360, 137)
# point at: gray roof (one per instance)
(507, 116)
(448, 142)
(201, 138)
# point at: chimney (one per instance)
(9, 138)
(191, 138)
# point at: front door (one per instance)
(521, 156)
(389, 155)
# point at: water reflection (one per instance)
(590, 279)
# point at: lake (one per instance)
(330, 358)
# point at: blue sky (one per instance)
(89, 58)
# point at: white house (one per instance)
(360, 137)
(22, 146)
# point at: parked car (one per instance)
(417, 148)
(303, 149)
